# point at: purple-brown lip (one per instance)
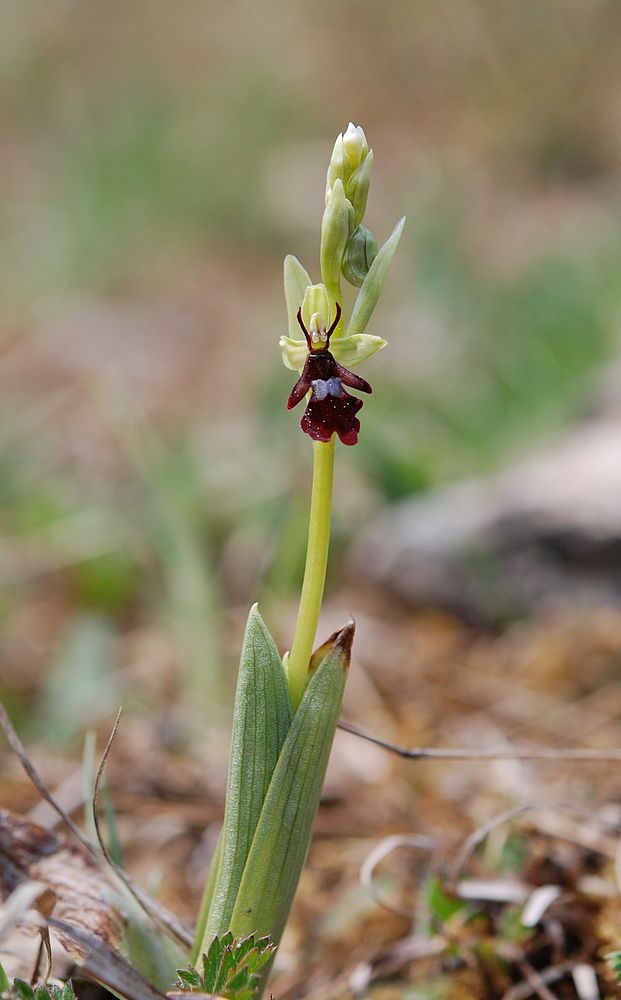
(330, 409)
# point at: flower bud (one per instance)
(357, 188)
(360, 253)
(336, 227)
(338, 166)
(355, 145)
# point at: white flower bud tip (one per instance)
(355, 144)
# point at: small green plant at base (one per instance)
(614, 961)
(230, 968)
(19, 989)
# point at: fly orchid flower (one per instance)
(330, 409)
(286, 709)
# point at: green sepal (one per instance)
(294, 353)
(297, 281)
(261, 720)
(282, 837)
(371, 288)
(352, 351)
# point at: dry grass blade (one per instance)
(536, 981)
(31, 902)
(545, 978)
(97, 788)
(381, 851)
(393, 958)
(478, 836)
(585, 981)
(104, 964)
(19, 904)
(19, 750)
(150, 907)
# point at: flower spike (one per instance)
(330, 409)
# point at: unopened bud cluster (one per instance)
(347, 247)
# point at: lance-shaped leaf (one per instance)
(283, 833)
(261, 720)
(371, 287)
(207, 899)
(297, 281)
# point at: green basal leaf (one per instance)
(283, 832)
(372, 285)
(5, 982)
(351, 351)
(206, 901)
(296, 283)
(261, 720)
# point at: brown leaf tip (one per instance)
(343, 640)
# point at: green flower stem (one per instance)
(315, 569)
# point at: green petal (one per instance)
(296, 283)
(359, 347)
(294, 353)
(374, 282)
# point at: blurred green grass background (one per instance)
(157, 165)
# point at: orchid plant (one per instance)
(286, 709)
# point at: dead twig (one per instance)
(579, 754)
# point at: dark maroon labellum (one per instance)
(330, 409)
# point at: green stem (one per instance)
(315, 570)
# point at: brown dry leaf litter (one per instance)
(424, 680)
